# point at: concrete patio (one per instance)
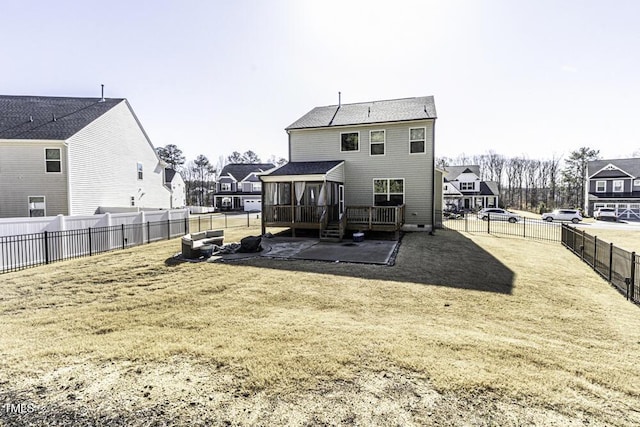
(366, 252)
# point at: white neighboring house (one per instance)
(463, 188)
(75, 156)
(174, 181)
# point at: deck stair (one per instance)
(331, 233)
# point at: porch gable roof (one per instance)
(304, 171)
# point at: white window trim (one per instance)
(614, 186)
(45, 159)
(256, 186)
(473, 186)
(373, 186)
(604, 190)
(384, 143)
(636, 182)
(425, 141)
(139, 170)
(350, 151)
(45, 204)
(223, 184)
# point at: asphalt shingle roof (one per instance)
(631, 166)
(240, 170)
(52, 118)
(393, 110)
(306, 168)
(453, 172)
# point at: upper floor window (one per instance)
(417, 141)
(225, 186)
(350, 141)
(139, 167)
(257, 186)
(377, 142)
(601, 186)
(53, 160)
(618, 186)
(636, 182)
(388, 192)
(467, 186)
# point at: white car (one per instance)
(497, 214)
(572, 215)
(606, 213)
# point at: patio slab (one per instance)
(366, 252)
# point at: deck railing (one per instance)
(366, 216)
(289, 214)
(376, 215)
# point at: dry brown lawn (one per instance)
(463, 330)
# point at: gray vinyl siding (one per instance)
(23, 174)
(103, 158)
(361, 168)
(337, 174)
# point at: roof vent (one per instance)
(339, 99)
(102, 95)
(54, 117)
(31, 118)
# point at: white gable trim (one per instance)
(611, 166)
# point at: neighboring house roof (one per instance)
(393, 110)
(169, 174)
(239, 171)
(631, 166)
(49, 118)
(453, 172)
(306, 168)
(488, 188)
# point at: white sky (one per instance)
(534, 78)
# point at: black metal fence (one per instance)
(522, 227)
(30, 250)
(619, 267)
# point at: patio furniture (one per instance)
(194, 242)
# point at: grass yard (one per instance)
(463, 330)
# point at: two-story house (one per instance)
(175, 183)
(238, 186)
(362, 166)
(464, 189)
(74, 156)
(614, 184)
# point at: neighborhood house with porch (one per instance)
(614, 184)
(464, 190)
(363, 166)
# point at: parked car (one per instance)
(497, 214)
(572, 215)
(606, 214)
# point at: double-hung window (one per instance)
(377, 142)
(350, 141)
(388, 192)
(417, 140)
(618, 186)
(467, 186)
(139, 168)
(53, 160)
(225, 186)
(601, 186)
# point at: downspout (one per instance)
(66, 145)
(433, 182)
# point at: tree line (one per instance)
(199, 174)
(533, 184)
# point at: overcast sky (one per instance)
(535, 78)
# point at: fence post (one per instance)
(123, 238)
(595, 252)
(488, 223)
(186, 225)
(632, 277)
(247, 219)
(199, 223)
(148, 232)
(524, 228)
(610, 261)
(168, 229)
(210, 222)
(582, 246)
(46, 247)
(90, 250)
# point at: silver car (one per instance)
(572, 215)
(497, 214)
